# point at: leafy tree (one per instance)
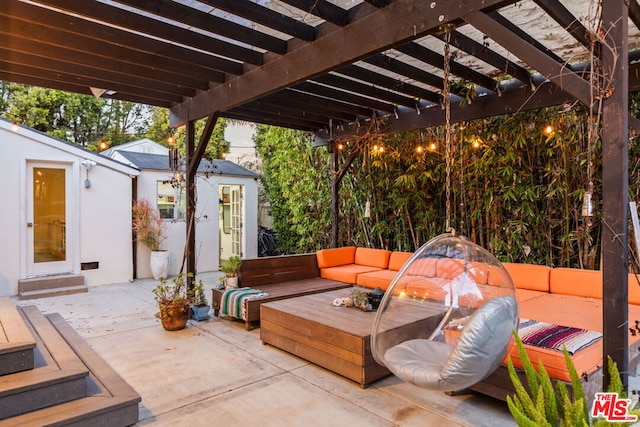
(160, 130)
(296, 179)
(80, 119)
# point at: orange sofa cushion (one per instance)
(377, 279)
(575, 281)
(425, 267)
(378, 258)
(346, 273)
(634, 289)
(334, 257)
(529, 276)
(398, 259)
(566, 310)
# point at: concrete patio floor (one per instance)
(214, 372)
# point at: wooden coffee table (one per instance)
(336, 338)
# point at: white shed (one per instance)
(66, 220)
(226, 212)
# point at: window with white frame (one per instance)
(171, 200)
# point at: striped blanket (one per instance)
(233, 301)
(555, 337)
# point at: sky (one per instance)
(242, 147)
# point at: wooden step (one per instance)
(16, 342)
(108, 399)
(58, 374)
(50, 286)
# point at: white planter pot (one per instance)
(160, 264)
(231, 282)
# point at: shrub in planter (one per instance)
(199, 305)
(173, 303)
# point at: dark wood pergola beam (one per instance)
(424, 54)
(398, 23)
(545, 95)
(111, 43)
(147, 25)
(487, 55)
(265, 16)
(72, 79)
(347, 97)
(559, 13)
(322, 9)
(378, 79)
(292, 122)
(391, 64)
(384, 95)
(20, 47)
(91, 73)
(211, 23)
(537, 59)
(318, 104)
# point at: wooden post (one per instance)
(193, 158)
(615, 186)
(191, 202)
(335, 187)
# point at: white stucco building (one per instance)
(66, 216)
(226, 211)
(66, 220)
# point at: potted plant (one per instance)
(173, 303)
(230, 269)
(151, 230)
(199, 305)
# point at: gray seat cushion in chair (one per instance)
(479, 350)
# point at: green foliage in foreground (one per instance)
(546, 406)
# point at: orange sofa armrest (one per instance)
(334, 257)
(372, 257)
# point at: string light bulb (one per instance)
(433, 146)
(103, 145)
(419, 149)
(548, 129)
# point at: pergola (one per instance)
(334, 67)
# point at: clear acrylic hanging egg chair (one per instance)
(446, 320)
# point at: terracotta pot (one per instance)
(160, 264)
(174, 317)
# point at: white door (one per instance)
(236, 221)
(48, 219)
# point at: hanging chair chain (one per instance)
(447, 112)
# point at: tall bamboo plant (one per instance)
(516, 189)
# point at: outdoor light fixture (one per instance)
(88, 164)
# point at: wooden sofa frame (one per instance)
(281, 277)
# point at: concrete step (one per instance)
(58, 374)
(107, 400)
(49, 286)
(16, 342)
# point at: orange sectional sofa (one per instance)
(561, 296)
